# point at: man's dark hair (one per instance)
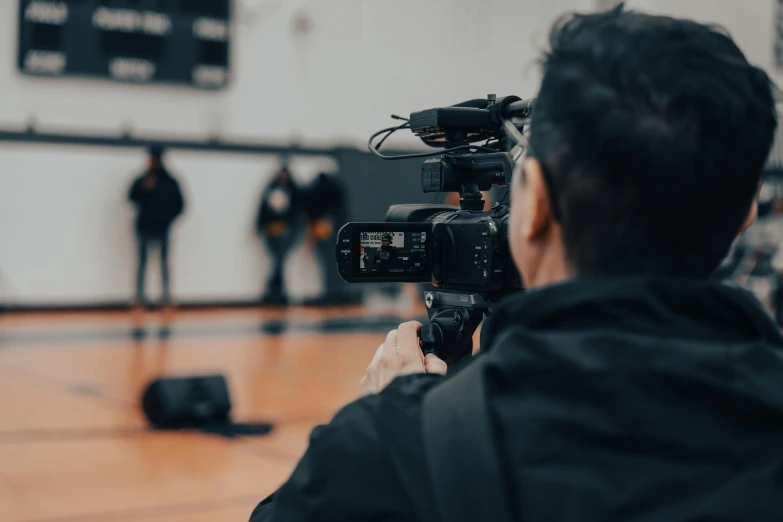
(652, 133)
(156, 151)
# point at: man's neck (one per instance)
(552, 268)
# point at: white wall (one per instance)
(65, 228)
(362, 60)
(750, 22)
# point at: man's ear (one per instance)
(537, 211)
(751, 217)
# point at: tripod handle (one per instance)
(449, 334)
(431, 338)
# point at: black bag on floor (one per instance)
(194, 402)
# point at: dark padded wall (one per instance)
(375, 184)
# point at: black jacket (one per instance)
(158, 207)
(325, 198)
(267, 213)
(616, 400)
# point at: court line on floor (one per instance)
(130, 406)
(244, 443)
(133, 430)
(52, 338)
(62, 384)
(71, 434)
(11, 436)
(266, 451)
(159, 511)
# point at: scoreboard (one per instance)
(182, 42)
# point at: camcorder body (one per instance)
(453, 249)
(462, 251)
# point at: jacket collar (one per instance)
(655, 305)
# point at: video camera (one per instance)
(463, 251)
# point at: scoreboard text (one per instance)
(141, 41)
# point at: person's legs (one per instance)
(165, 329)
(279, 247)
(142, 241)
(164, 268)
(137, 307)
(274, 285)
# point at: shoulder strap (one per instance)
(460, 451)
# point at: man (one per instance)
(623, 385)
(158, 200)
(326, 206)
(276, 222)
(386, 255)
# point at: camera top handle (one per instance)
(519, 109)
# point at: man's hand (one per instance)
(400, 355)
(321, 230)
(275, 228)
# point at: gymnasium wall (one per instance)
(751, 23)
(65, 227)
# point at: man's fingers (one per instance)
(392, 339)
(408, 351)
(365, 387)
(386, 348)
(432, 364)
(377, 356)
(408, 335)
(399, 355)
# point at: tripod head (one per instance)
(454, 318)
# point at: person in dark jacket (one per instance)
(326, 207)
(158, 200)
(623, 384)
(276, 222)
(386, 255)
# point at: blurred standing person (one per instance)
(453, 198)
(158, 200)
(326, 206)
(277, 224)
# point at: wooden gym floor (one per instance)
(74, 446)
